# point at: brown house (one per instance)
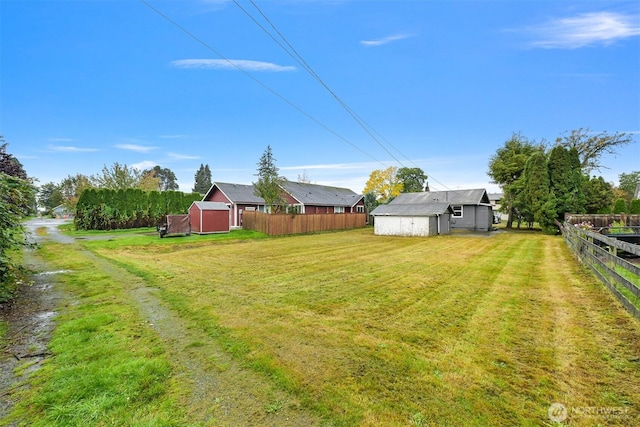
(308, 198)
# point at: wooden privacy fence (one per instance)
(603, 220)
(281, 224)
(600, 253)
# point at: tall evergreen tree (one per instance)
(536, 188)
(202, 179)
(565, 181)
(269, 182)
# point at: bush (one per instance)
(15, 196)
(104, 209)
(620, 206)
(634, 208)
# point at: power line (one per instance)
(261, 83)
(289, 49)
(300, 60)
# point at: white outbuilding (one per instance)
(410, 219)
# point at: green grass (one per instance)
(359, 329)
(376, 330)
(108, 367)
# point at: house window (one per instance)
(360, 209)
(457, 211)
(338, 209)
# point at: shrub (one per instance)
(620, 206)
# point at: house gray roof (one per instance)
(211, 206)
(411, 209)
(454, 197)
(321, 195)
(237, 193)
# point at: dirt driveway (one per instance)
(30, 316)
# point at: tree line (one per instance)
(107, 209)
(542, 182)
(116, 177)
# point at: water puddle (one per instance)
(49, 273)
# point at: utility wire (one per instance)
(261, 83)
(300, 60)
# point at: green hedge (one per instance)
(103, 209)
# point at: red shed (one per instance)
(209, 217)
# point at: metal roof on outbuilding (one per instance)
(211, 206)
(454, 197)
(410, 209)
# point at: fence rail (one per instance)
(282, 224)
(603, 220)
(600, 254)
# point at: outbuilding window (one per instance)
(457, 211)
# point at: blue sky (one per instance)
(439, 85)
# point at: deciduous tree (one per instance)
(628, 182)
(9, 164)
(50, 196)
(592, 145)
(412, 179)
(506, 167)
(167, 179)
(117, 177)
(384, 184)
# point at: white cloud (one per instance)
(587, 29)
(335, 166)
(231, 64)
(384, 40)
(72, 149)
(136, 148)
(182, 156)
(146, 164)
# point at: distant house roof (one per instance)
(306, 194)
(412, 209)
(495, 196)
(455, 197)
(321, 195)
(237, 193)
(211, 206)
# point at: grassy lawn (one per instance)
(354, 328)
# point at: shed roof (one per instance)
(211, 206)
(455, 197)
(321, 195)
(410, 209)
